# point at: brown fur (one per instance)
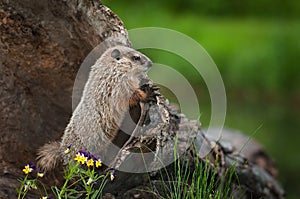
(137, 97)
(111, 92)
(47, 156)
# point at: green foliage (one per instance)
(232, 8)
(199, 181)
(262, 48)
(194, 180)
(256, 47)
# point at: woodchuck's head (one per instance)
(127, 60)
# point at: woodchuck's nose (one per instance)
(147, 64)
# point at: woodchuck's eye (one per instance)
(136, 58)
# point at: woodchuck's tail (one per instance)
(49, 156)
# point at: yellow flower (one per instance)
(90, 162)
(44, 197)
(80, 158)
(40, 174)
(27, 169)
(68, 150)
(98, 163)
(83, 159)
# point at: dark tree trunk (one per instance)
(42, 44)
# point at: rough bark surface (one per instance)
(42, 44)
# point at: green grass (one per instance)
(193, 179)
(199, 181)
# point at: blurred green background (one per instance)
(256, 46)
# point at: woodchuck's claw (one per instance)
(151, 91)
(155, 88)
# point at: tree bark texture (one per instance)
(42, 44)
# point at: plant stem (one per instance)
(69, 176)
(22, 186)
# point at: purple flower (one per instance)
(85, 153)
(32, 165)
(88, 155)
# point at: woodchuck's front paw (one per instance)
(151, 91)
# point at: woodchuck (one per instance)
(113, 89)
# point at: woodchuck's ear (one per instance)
(116, 54)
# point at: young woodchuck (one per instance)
(113, 87)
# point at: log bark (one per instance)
(42, 44)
